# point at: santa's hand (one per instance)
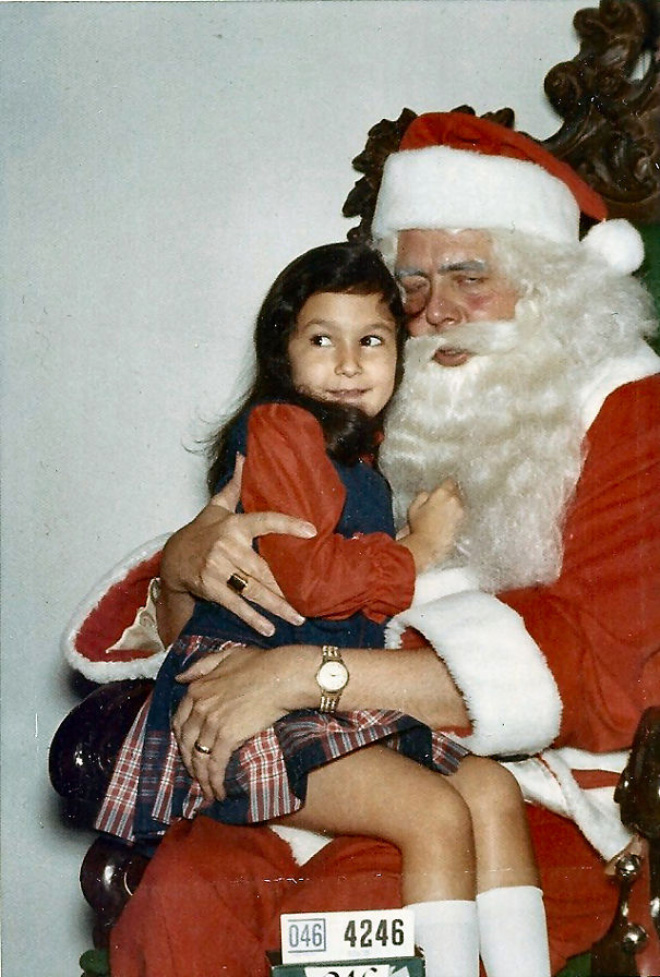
(233, 701)
(213, 558)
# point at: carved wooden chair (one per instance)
(610, 134)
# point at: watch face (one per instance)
(332, 676)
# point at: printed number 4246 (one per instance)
(368, 933)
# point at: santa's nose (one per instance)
(442, 311)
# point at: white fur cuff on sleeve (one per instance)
(510, 694)
(138, 652)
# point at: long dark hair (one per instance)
(342, 267)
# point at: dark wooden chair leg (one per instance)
(111, 872)
(638, 795)
(654, 871)
(81, 761)
(614, 955)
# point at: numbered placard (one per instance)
(358, 970)
(374, 934)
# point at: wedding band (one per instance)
(237, 583)
(202, 749)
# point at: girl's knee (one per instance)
(448, 814)
(436, 810)
(485, 783)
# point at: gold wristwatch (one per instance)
(332, 678)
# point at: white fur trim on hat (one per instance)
(510, 693)
(439, 187)
(618, 243)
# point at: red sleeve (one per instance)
(599, 624)
(287, 470)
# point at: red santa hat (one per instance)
(457, 171)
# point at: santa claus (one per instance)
(528, 381)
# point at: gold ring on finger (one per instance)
(237, 582)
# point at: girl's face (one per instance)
(343, 349)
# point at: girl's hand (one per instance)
(199, 559)
(232, 694)
(434, 519)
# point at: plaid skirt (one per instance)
(266, 777)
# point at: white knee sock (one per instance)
(448, 934)
(512, 932)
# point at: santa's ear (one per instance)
(618, 243)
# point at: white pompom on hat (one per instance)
(457, 171)
(618, 242)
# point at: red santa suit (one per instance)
(572, 664)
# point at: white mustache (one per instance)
(482, 338)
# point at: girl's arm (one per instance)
(287, 469)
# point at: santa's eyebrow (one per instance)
(471, 266)
(474, 264)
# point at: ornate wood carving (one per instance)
(609, 99)
(610, 105)
(382, 139)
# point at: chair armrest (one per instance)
(86, 744)
(638, 790)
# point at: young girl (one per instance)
(328, 339)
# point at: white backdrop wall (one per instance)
(162, 162)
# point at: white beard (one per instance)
(506, 427)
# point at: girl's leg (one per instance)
(512, 926)
(380, 793)
(504, 852)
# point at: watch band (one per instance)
(330, 700)
(329, 703)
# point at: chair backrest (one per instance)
(650, 270)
